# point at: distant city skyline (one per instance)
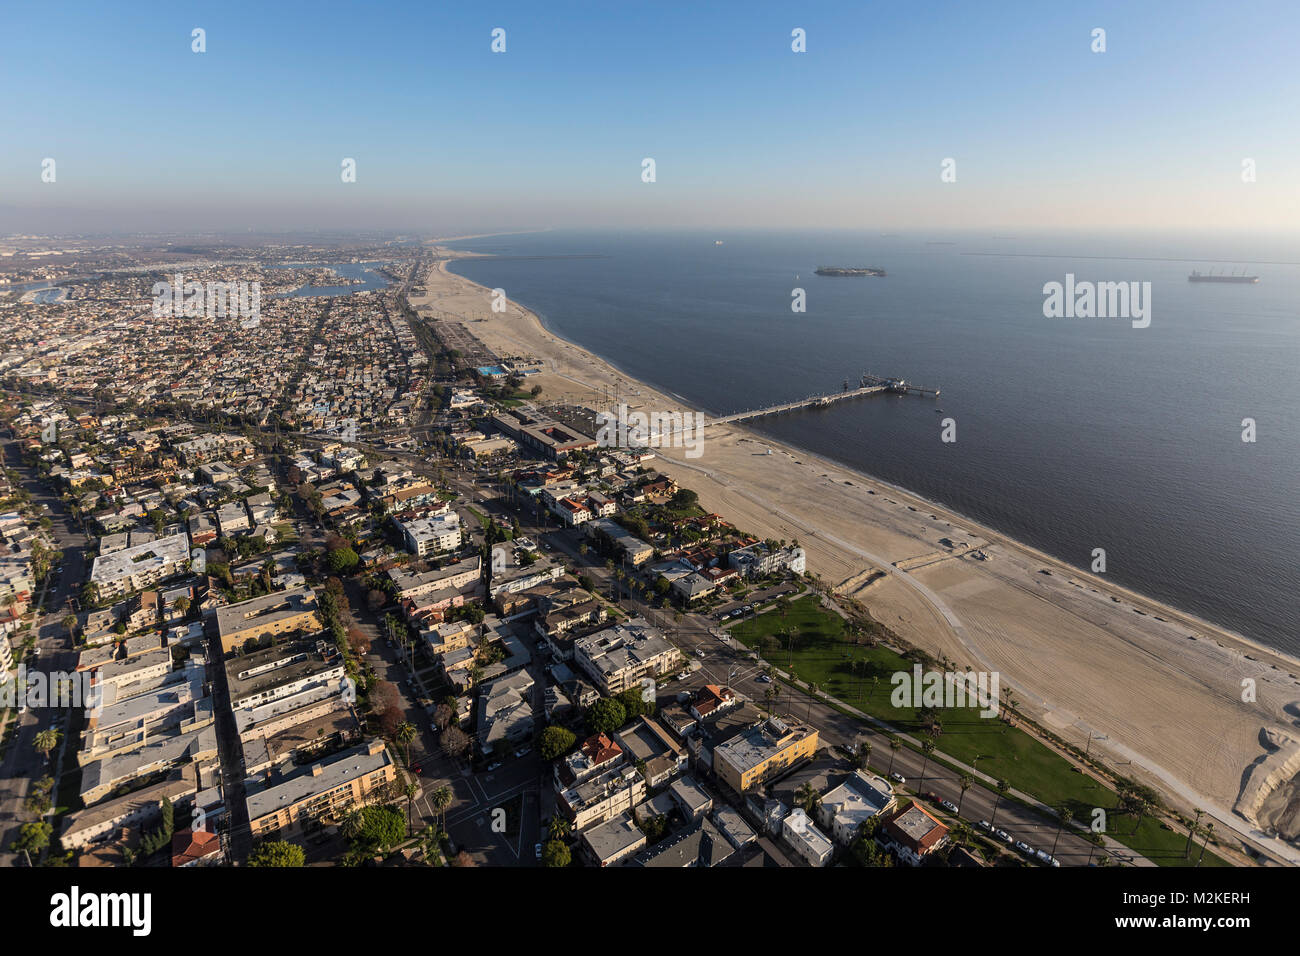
(451, 137)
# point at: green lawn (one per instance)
(822, 654)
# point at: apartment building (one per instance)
(758, 560)
(412, 586)
(913, 833)
(426, 536)
(325, 789)
(812, 846)
(859, 798)
(101, 778)
(141, 566)
(283, 670)
(280, 612)
(753, 756)
(633, 550)
(602, 796)
(617, 657)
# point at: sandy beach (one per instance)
(1080, 654)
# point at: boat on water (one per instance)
(1229, 277)
(841, 271)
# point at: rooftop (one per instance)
(318, 778)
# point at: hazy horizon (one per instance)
(448, 136)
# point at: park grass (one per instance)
(823, 655)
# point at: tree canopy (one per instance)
(277, 853)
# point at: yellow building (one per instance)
(327, 788)
(757, 754)
(280, 612)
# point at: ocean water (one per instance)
(349, 270)
(1072, 434)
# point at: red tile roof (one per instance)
(189, 846)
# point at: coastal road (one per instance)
(724, 661)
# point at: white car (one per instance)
(984, 825)
(948, 805)
(1024, 848)
(897, 777)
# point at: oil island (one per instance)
(841, 271)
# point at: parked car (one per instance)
(494, 765)
(1003, 835)
(523, 751)
(537, 851)
(948, 805)
(984, 825)
(1024, 848)
(897, 777)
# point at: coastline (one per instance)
(1165, 702)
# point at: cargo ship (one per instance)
(1199, 277)
(837, 271)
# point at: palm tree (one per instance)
(1209, 832)
(558, 829)
(864, 754)
(808, 798)
(960, 832)
(1191, 834)
(1094, 840)
(352, 824)
(1140, 805)
(46, 740)
(1003, 787)
(1065, 817)
(894, 745)
(966, 782)
(404, 734)
(441, 800)
(412, 791)
(927, 746)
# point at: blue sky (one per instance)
(448, 135)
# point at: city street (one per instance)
(54, 652)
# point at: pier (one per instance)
(869, 385)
